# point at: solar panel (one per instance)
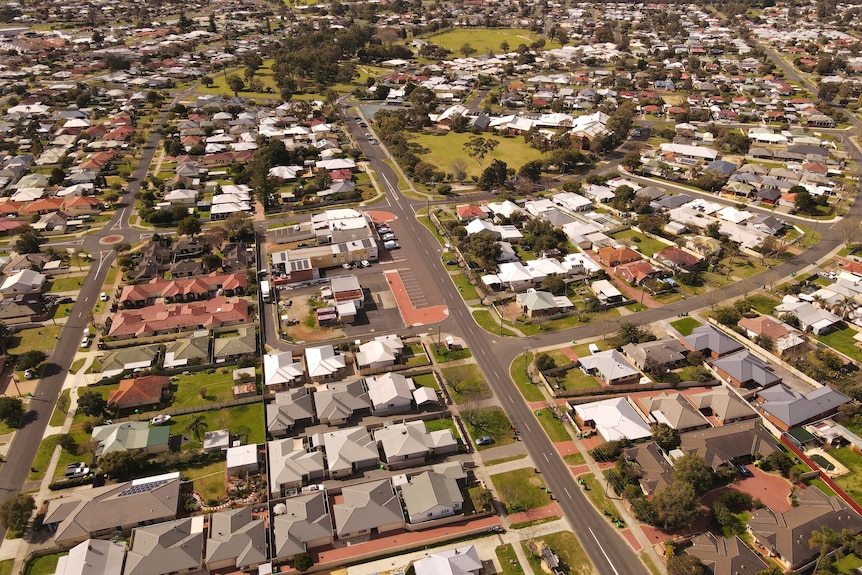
(144, 488)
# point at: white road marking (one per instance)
(545, 455)
(569, 495)
(608, 559)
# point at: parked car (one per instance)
(103, 296)
(365, 263)
(387, 237)
(77, 472)
(347, 266)
(85, 342)
(484, 440)
(75, 465)
(161, 419)
(390, 245)
(744, 471)
(30, 374)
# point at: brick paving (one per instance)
(551, 510)
(411, 315)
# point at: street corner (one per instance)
(111, 240)
(381, 217)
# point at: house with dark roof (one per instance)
(726, 555)
(299, 524)
(785, 536)
(745, 369)
(787, 409)
(711, 342)
(722, 404)
(729, 444)
(236, 539)
(668, 353)
(676, 259)
(656, 471)
(169, 547)
(290, 408)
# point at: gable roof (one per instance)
(656, 472)
(746, 367)
(726, 555)
(793, 408)
(365, 506)
(288, 408)
(390, 388)
(344, 447)
(723, 445)
(672, 409)
(322, 361)
(291, 463)
(236, 534)
(280, 367)
(305, 518)
(340, 400)
(428, 490)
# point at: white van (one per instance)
(594, 349)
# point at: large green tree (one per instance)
(692, 469)
(15, 512)
(676, 504)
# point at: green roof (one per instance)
(801, 435)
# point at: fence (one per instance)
(194, 408)
(587, 394)
(823, 477)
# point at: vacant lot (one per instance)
(484, 40)
(442, 149)
(567, 547)
(521, 490)
(492, 422)
(644, 244)
(466, 383)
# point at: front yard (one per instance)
(521, 490)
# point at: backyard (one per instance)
(852, 482)
(841, 339)
(207, 480)
(644, 244)
(243, 420)
(491, 422)
(207, 386)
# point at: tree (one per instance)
(728, 316)
(765, 341)
(15, 512)
(235, 84)
(207, 81)
(685, 564)
(623, 196)
(713, 230)
(459, 169)
(676, 504)
(483, 249)
(494, 175)
(11, 410)
(5, 337)
(532, 170)
(483, 498)
(545, 362)
(467, 50)
(665, 436)
(630, 332)
(804, 202)
(122, 465)
(303, 562)
(197, 426)
(554, 285)
(479, 147)
(92, 403)
(826, 540)
(29, 241)
(632, 161)
(189, 226)
(780, 461)
(692, 469)
(211, 262)
(31, 359)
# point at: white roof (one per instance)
(614, 419)
(322, 361)
(241, 456)
(280, 368)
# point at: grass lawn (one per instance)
(505, 460)
(414, 355)
(71, 283)
(7, 564)
(464, 286)
(822, 486)
(565, 322)
(486, 321)
(518, 373)
(644, 556)
(426, 221)
(574, 459)
(509, 564)
(443, 355)
(426, 380)
(245, 420)
(66, 457)
(575, 378)
(534, 522)
(596, 494)
(44, 565)
(39, 338)
(842, 340)
(466, 383)
(58, 417)
(438, 424)
(847, 565)
(492, 422)
(521, 490)
(685, 325)
(644, 244)
(43, 458)
(207, 480)
(553, 427)
(441, 150)
(852, 482)
(567, 547)
(485, 39)
(763, 303)
(218, 388)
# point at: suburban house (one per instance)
(785, 536)
(93, 556)
(614, 256)
(787, 409)
(430, 495)
(101, 511)
(338, 402)
(390, 393)
(665, 353)
(613, 419)
(811, 318)
(461, 561)
(281, 370)
(610, 366)
(131, 436)
(230, 346)
(607, 293)
(783, 337)
(379, 353)
(190, 350)
(722, 404)
(299, 524)
(638, 272)
(172, 546)
(139, 392)
(745, 369)
(726, 555)
(236, 539)
(291, 407)
(347, 450)
(410, 443)
(541, 303)
(676, 259)
(323, 363)
(710, 342)
(729, 444)
(673, 410)
(656, 471)
(292, 466)
(162, 319)
(22, 282)
(367, 508)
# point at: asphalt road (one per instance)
(22, 452)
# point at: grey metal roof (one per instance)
(794, 408)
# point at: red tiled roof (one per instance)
(140, 391)
(160, 288)
(159, 317)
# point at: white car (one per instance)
(85, 342)
(365, 263)
(161, 419)
(388, 237)
(103, 296)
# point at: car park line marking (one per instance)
(602, 549)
